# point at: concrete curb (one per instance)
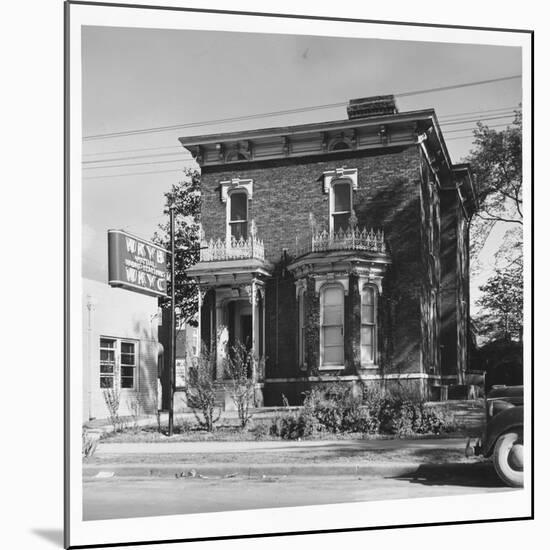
(102, 471)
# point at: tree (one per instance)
(186, 196)
(496, 165)
(502, 303)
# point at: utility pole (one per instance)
(172, 322)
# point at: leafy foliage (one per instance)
(200, 391)
(497, 168)
(112, 400)
(502, 302)
(186, 198)
(496, 163)
(238, 368)
(335, 409)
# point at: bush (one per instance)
(295, 424)
(238, 368)
(261, 430)
(200, 391)
(90, 441)
(335, 409)
(112, 400)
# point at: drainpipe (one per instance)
(91, 302)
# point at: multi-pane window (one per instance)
(238, 215)
(127, 364)
(117, 363)
(107, 362)
(332, 326)
(302, 326)
(341, 206)
(368, 325)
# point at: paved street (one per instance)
(136, 497)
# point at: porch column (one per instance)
(222, 338)
(254, 302)
(200, 297)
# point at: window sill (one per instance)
(330, 367)
(369, 367)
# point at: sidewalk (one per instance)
(387, 458)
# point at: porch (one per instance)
(231, 276)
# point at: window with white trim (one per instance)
(302, 326)
(368, 325)
(332, 326)
(238, 215)
(117, 363)
(340, 205)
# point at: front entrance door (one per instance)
(246, 335)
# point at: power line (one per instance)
(132, 174)
(137, 157)
(182, 151)
(470, 130)
(137, 164)
(452, 115)
(511, 109)
(132, 150)
(125, 174)
(451, 123)
(156, 129)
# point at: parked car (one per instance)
(503, 435)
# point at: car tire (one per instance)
(508, 458)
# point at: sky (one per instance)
(134, 79)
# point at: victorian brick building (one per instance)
(336, 250)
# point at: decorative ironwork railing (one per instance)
(352, 239)
(220, 250)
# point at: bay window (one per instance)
(332, 326)
(368, 325)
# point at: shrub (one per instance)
(112, 400)
(238, 368)
(89, 443)
(261, 430)
(200, 391)
(184, 426)
(134, 404)
(295, 424)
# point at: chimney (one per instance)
(378, 105)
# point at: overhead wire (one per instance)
(188, 160)
(156, 129)
(469, 136)
(511, 109)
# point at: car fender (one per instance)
(501, 423)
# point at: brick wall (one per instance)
(284, 194)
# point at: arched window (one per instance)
(340, 205)
(332, 326)
(368, 325)
(238, 215)
(301, 327)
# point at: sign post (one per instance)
(172, 322)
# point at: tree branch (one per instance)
(491, 217)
